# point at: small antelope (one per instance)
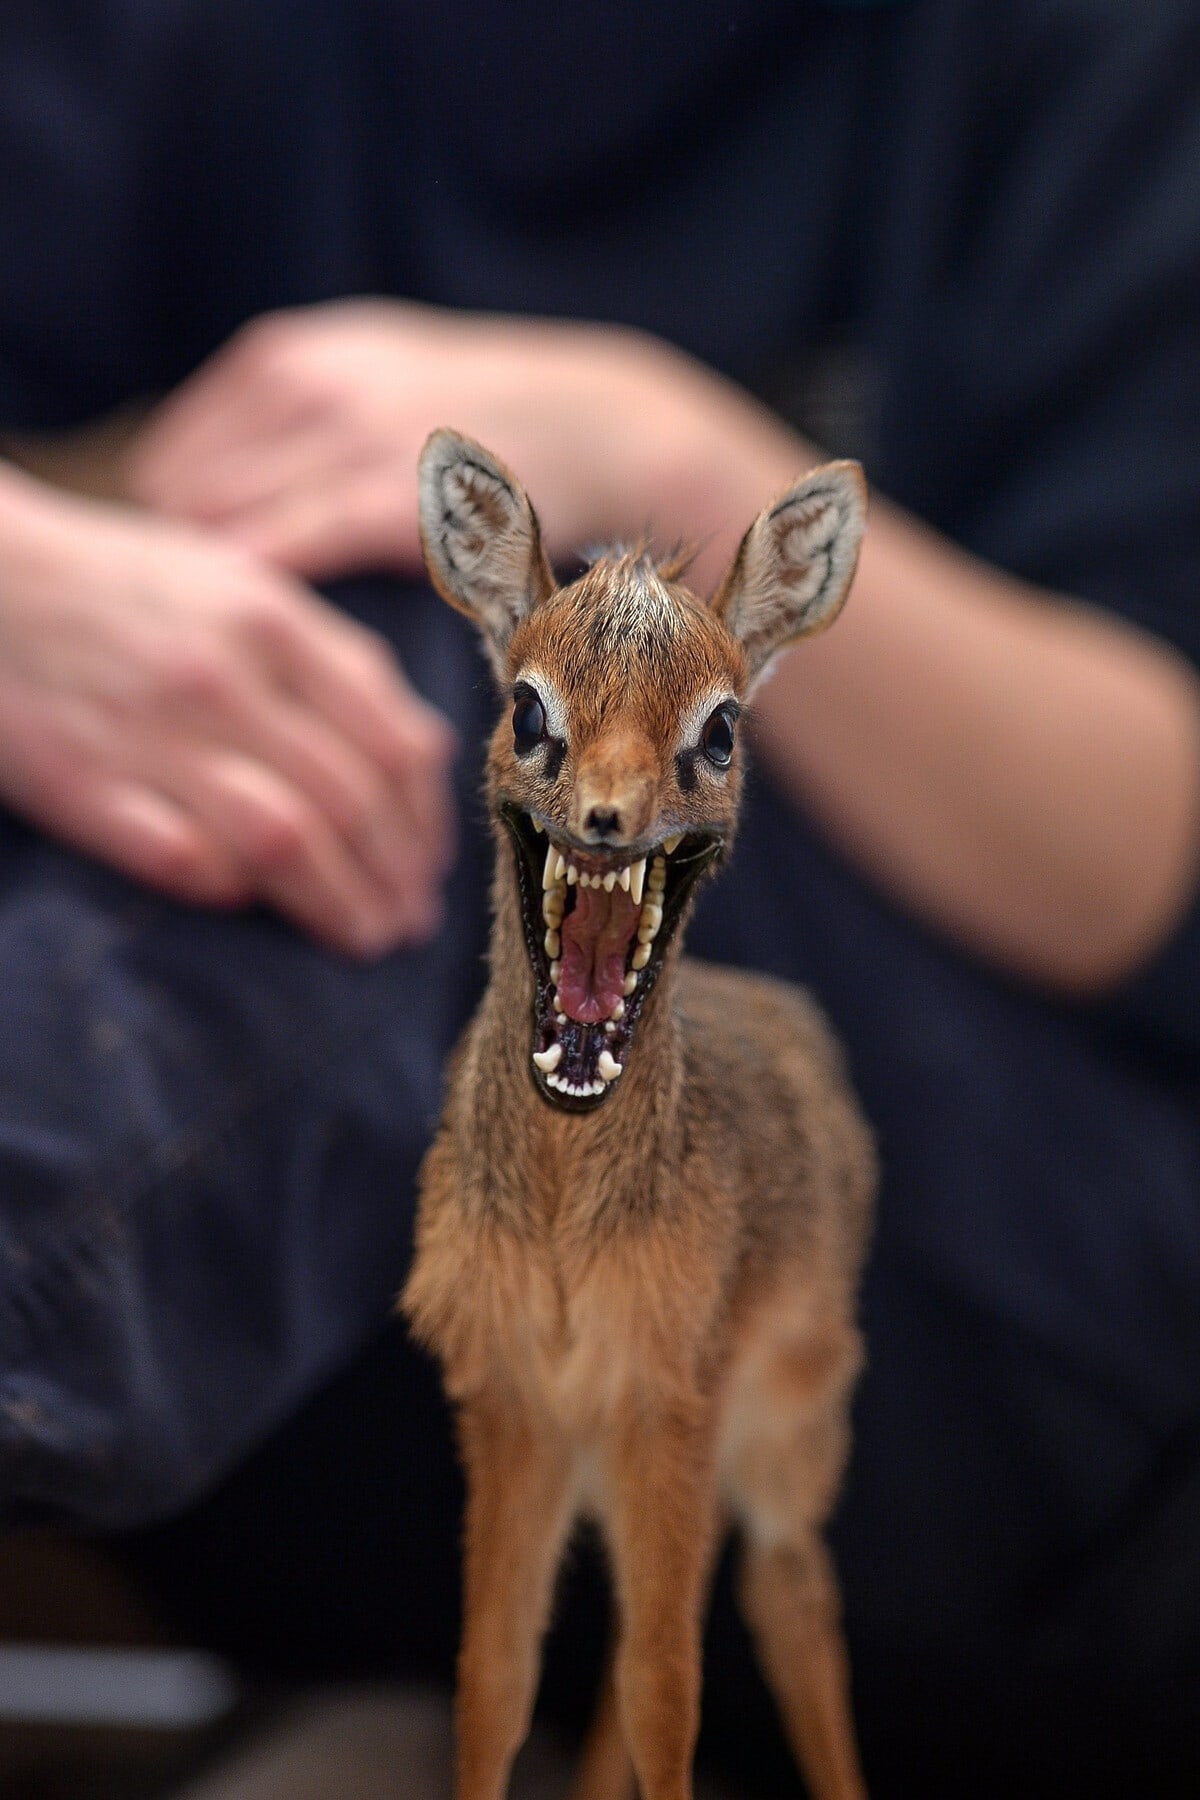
(642, 1218)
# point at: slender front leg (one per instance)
(661, 1530)
(791, 1602)
(605, 1771)
(519, 1504)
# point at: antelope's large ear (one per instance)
(483, 548)
(795, 564)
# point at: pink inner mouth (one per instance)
(595, 938)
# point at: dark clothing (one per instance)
(984, 221)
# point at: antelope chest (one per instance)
(578, 1328)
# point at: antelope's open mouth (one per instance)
(597, 926)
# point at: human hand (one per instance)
(299, 439)
(176, 708)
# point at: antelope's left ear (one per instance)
(480, 535)
(794, 566)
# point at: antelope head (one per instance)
(616, 768)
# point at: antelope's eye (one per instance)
(528, 723)
(716, 740)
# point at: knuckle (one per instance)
(279, 839)
(371, 660)
(189, 673)
(176, 864)
(265, 352)
(260, 616)
(362, 807)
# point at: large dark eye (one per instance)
(528, 722)
(716, 740)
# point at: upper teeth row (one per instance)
(632, 877)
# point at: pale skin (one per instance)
(1022, 772)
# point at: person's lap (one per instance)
(225, 1126)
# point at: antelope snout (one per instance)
(613, 802)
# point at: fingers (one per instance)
(243, 394)
(348, 832)
(294, 738)
(333, 522)
(299, 440)
(299, 863)
(154, 840)
(347, 677)
(234, 478)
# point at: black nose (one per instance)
(605, 821)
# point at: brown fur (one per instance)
(646, 1310)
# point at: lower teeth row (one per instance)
(581, 1090)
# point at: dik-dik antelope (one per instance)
(642, 1219)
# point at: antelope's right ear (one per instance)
(795, 564)
(482, 544)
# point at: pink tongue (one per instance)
(595, 937)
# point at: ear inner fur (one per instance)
(481, 538)
(795, 564)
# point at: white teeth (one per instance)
(572, 874)
(618, 1012)
(608, 1066)
(548, 1060)
(671, 844)
(640, 957)
(555, 972)
(537, 824)
(560, 866)
(637, 880)
(630, 983)
(650, 922)
(624, 878)
(548, 876)
(560, 1018)
(610, 881)
(553, 908)
(609, 1028)
(656, 881)
(578, 1090)
(553, 943)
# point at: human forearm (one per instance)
(1022, 771)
